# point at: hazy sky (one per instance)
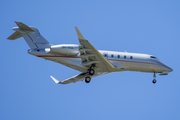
(28, 93)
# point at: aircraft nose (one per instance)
(170, 69)
(166, 68)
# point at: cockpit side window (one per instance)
(153, 57)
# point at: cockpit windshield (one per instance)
(153, 57)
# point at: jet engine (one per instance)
(65, 49)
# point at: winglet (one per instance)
(55, 80)
(79, 34)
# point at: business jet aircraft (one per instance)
(86, 58)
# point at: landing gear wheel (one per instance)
(87, 79)
(154, 81)
(91, 72)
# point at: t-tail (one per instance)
(31, 34)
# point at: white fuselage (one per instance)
(130, 61)
(85, 57)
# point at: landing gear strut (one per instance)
(91, 70)
(154, 81)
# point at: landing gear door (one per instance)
(105, 55)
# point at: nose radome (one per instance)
(170, 69)
(167, 67)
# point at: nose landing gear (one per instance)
(154, 80)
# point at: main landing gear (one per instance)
(91, 73)
(154, 80)
(87, 79)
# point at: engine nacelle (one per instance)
(65, 49)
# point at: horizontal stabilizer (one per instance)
(15, 35)
(31, 35)
(24, 27)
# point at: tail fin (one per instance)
(31, 34)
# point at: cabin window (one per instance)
(131, 57)
(112, 56)
(125, 57)
(105, 55)
(118, 56)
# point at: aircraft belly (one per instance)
(145, 68)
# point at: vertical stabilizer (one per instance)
(31, 34)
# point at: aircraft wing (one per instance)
(90, 55)
(73, 79)
(76, 78)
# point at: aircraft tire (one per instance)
(154, 81)
(91, 72)
(87, 79)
